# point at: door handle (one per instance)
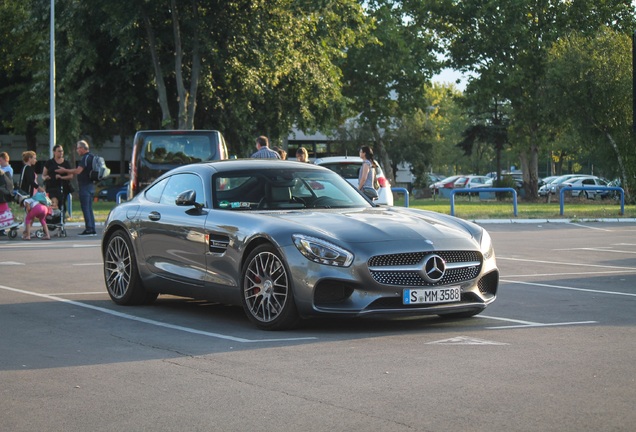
(154, 216)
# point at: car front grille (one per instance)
(405, 269)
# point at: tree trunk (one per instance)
(530, 168)
(166, 118)
(621, 164)
(31, 136)
(122, 155)
(195, 73)
(178, 68)
(381, 154)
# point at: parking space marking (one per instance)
(465, 340)
(569, 274)
(566, 263)
(525, 324)
(542, 325)
(79, 293)
(153, 322)
(597, 249)
(570, 288)
(592, 227)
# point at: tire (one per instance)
(121, 273)
(266, 290)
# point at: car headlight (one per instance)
(322, 252)
(486, 245)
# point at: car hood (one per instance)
(380, 225)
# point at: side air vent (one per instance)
(218, 243)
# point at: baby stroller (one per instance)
(8, 224)
(55, 220)
(55, 223)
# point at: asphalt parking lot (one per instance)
(555, 352)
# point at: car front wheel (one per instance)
(266, 290)
(121, 273)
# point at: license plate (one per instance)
(431, 295)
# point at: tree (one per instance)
(255, 67)
(426, 137)
(386, 79)
(589, 85)
(489, 125)
(505, 45)
(244, 67)
(23, 95)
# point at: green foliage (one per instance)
(506, 45)
(385, 80)
(589, 84)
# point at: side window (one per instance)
(153, 193)
(177, 184)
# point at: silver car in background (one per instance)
(349, 166)
(289, 240)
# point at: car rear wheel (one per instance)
(266, 290)
(121, 273)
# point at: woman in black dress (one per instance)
(58, 186)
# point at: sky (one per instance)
(450, 76)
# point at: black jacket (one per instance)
(6, 187)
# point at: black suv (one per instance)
(156, 152)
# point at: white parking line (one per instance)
(570, 288)
(152, 322)
(525, 324)
(556, 263)
(591, 227)
(570, 274)
(597, 249)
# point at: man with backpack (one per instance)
(86, 186)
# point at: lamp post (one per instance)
(52, 82)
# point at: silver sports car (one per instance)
(291, 240)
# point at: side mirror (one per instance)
(188, 199)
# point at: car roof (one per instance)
(338, 159)
(248, 164)
(581, 178)
(567, 177)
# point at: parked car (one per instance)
(110, 181)
(446, 183)
(473, 181)
(554, 186)
(587, 181)
(349, 167)
(289, 240)
(110, 193)
(546, 180)
(158, 151)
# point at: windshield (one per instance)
(175, 149)
(284, 189)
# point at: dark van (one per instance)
(156, 152)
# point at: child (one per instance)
(35, 210)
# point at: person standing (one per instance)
(366, 176)
(5, 165)
(6, 176)
(282, 153)
(6, 191)
(57, 185)
(86, 186)
(29, 179)
(302, 155)
(263, 150)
